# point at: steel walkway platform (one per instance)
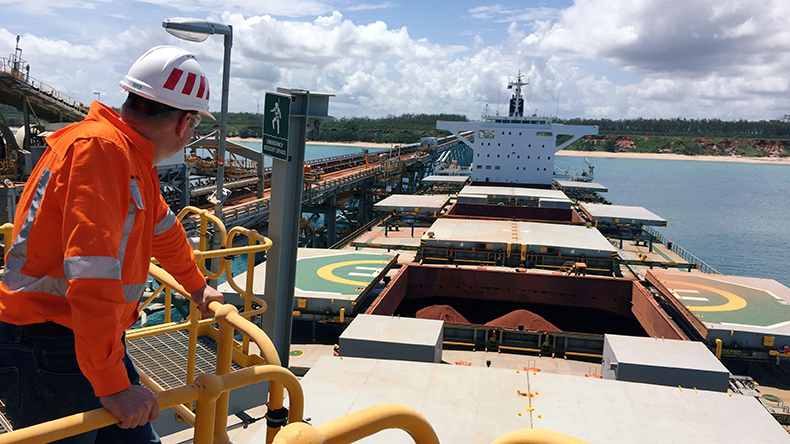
(164, 357)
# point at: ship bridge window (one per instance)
(498, 168)
(506, 121)
(480, 167)
(486, 134)
(488, 167)
(542, 122)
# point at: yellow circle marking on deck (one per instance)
(325, 272)
(734, 302)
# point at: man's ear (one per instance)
(181, 124)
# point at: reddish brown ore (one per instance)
(528, 319)
(443, 313)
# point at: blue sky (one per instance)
(585, 58)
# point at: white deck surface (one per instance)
(445, 179)
(634, 215)
(478, 404)
(537, 193)
(413, 202)
(660, 352)
(577, 185)
(530, 233)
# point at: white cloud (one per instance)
(50, 6)
(596, 58)
(502, 14)
(370, 6)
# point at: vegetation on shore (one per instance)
(745, 138)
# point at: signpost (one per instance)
(287, 116)
(276, 121)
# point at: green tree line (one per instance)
(681, 127)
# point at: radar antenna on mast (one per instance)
(517, 100)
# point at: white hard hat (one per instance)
(169, 75)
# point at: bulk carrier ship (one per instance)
(508, 306)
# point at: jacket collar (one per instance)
(104, 113)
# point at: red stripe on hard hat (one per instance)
(172, 81)
(189, 84)
(202, 87)
(206, 92)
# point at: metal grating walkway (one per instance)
(164, 357)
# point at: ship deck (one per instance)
(734, 308)
(404, 238)
(479, 404)
(328, 280)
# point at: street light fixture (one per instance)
(197, 30)
(98, 99)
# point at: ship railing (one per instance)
(7, 67)
(682, 252)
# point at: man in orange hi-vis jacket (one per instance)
(89, 220)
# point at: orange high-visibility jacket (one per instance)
(88, 222)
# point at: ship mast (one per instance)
(517, 100)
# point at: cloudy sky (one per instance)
(726, 59)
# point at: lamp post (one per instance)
(196, 30)
(98, 96)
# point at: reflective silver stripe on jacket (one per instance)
(77, 267)
(136, 196)
(59, 286)
(17, 255)
(166, 223)
(92, 267)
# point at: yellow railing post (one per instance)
(7, 230)
(168, 303)
(224, 360)
(210, 389)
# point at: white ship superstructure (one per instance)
(516, 149)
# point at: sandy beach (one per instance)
(664, 156)
(670, 156)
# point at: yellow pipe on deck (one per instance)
(538, 436)
(361, 424)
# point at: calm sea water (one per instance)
(315, 151)
(733, 216)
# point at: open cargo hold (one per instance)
(583, 310)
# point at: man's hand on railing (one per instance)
(204, 296)
(133, 407)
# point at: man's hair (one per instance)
(148, 110)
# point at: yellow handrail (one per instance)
(206, 389)
(205, 217)
(361, 424)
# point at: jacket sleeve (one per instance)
(95, 199)
(171, 248)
